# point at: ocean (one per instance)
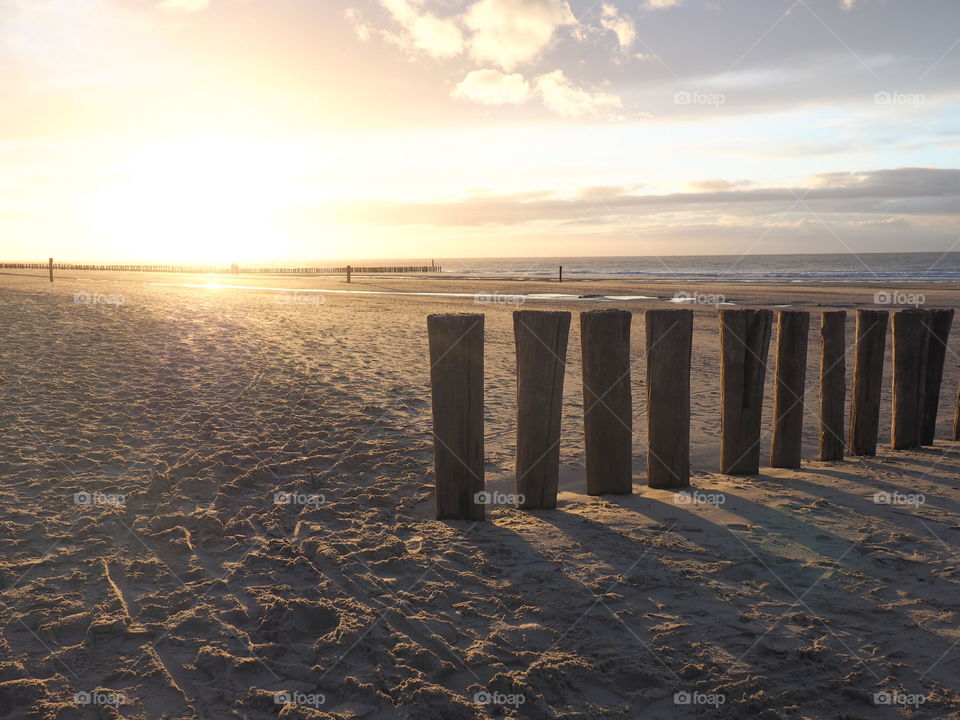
(847, 267)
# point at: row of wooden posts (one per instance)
(456, 356)
(217, 269)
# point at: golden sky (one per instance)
(256, 130)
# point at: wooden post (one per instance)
(541, 342)
(561, 273)
(669, 348)
(348, 273)
(607, 401)
(867, 381)
(956, 419)
(937, 324)
(793, 330)
(909, 373)
(50, 266)
(744, 343)
(456, 378)
(833, 383)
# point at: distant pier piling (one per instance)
(607, 401)
(541, 346)
(937, 324)
(456, 374)
(790, 376)
(833, 383)
(669, 345)
(867, 381)
(744, 343)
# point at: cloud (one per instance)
(492, 87)
(622, 27)
(716, 184)
(509, 33)
(661, 4)
(438, 37)
(869, 197)
(562, 96)
(363, 30)
(184, 5)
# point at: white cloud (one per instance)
(562, 96)
(363, 30)
(622, 27)
(492, 87)
(184, 5)
(509, 33)
(439, 37)
(661, 4)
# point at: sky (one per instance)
(271, 130)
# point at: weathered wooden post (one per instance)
(909, 373)
(833, 383)
(348, 273)
(561, 273)
(937, 324)
(793, 329)
(956, 418)
(744, 344)
(669, 348)
(867, 381)
(607, 401)
(541, 343)
(456, 378)
(50, 266)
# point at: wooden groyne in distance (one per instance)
(228, 270)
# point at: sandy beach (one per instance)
(217, 502)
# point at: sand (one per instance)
(217, 503)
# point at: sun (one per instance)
(198, 201)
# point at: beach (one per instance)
(217, 502)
